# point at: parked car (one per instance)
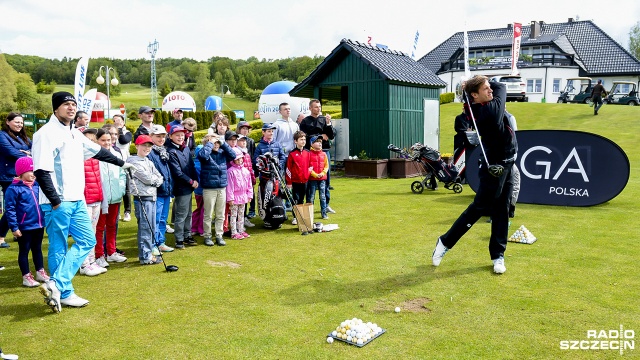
(622, 93)
(516, 87)
(578, 90)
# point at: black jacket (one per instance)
(183, 170)
(498, 138)
(317, 126)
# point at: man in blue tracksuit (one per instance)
(59, 151)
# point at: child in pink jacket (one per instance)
(239, 192)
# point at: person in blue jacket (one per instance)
(14, 144)
(213, 157)
(26, 221)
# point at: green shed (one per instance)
(387, 96)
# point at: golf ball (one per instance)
(397, 309)
(330, 340)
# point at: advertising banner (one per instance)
(563, 167)
(515, 47)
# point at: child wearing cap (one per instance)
(318, 174)
(160, 159)
(239, 192)
(185, 181)
(144, 184)
(26, 221)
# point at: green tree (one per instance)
(171, 78)
(27, 98)
(165, 90)
(204, 86)
(634, 40)
(229, 79)
(8, 90)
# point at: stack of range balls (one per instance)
(355, 331)
(523, 235)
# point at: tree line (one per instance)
(176, 74)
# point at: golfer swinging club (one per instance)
(486, 100)
(59, 151)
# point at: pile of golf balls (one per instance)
(523, 235)
(356, 331)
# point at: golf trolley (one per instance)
(431, 163)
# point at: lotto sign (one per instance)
(562, 167)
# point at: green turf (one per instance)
(277, 294)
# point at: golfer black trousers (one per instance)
(493, 196)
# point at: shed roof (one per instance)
(391, 65)
(594, 50)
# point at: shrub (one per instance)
(446, 98)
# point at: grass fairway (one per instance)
(277, 294)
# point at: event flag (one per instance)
(467, 72)
(87, 102)
(515, 47)
(415, 44)
(81, 78)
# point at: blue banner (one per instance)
(562, 167)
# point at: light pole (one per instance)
(222, 90)
(100, 80)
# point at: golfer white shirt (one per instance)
(62, 151)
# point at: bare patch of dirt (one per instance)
(228, 264)
(416, 305)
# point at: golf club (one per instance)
(289, 196)
(167, 268)
(495, 170)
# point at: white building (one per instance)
(550, 53)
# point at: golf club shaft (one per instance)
(144, 213)
(473, 118)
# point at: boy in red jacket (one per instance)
(298, 170)
(318, 174)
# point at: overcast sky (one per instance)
(200, 29)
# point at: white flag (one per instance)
(467, 72)
(81, 78)
(515, 47)
(87, 102)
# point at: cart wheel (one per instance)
(416, 187)
(457, 188)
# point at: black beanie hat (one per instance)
(60, 98)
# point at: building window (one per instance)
(556, 86)
(534, 85)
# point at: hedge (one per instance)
(446, 98)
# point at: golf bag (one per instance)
(270, 204)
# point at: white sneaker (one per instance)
(248, 223)
(127, 217)
(29, 281)
(294, 221)
(74, 301)
(155, 251)
(165, 248)
(330, 210)
(169, 229)
(102, 262)
(115, 257)
(42, 276)
(90, 270)
(498, 266)
(438, 253)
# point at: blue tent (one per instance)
(213, 103)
